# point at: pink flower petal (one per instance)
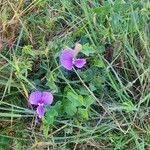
(66, 58)
(80, 63)
(40, 111)
(47, 98)
(35, 97)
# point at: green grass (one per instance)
(115, 35)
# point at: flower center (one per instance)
(73, 60)
(40, 103)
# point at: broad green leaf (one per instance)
(45, 130)
(120, 7)
(83, 113)
(104, 10)
(77, 100)
(58, 107)
(99, 63)
(51, 78)
(87, 49)
(88, 100)
(50, 115)
(92, 87)
(70, 108)
(4, 142)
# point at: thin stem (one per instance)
(97, 100)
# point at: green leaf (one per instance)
(70, 108)
(88, 100)
(50, 115)
(4, 142)
(83, 113)
(58, 107)
(92, 87)
(99, 63)
(128, 106)
(87, 49)
(45, 130)
(27, 50)
(51, 78)
(103, 9)
(120, 7)
(77, 100)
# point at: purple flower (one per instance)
(40, 99)
(68, 59)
